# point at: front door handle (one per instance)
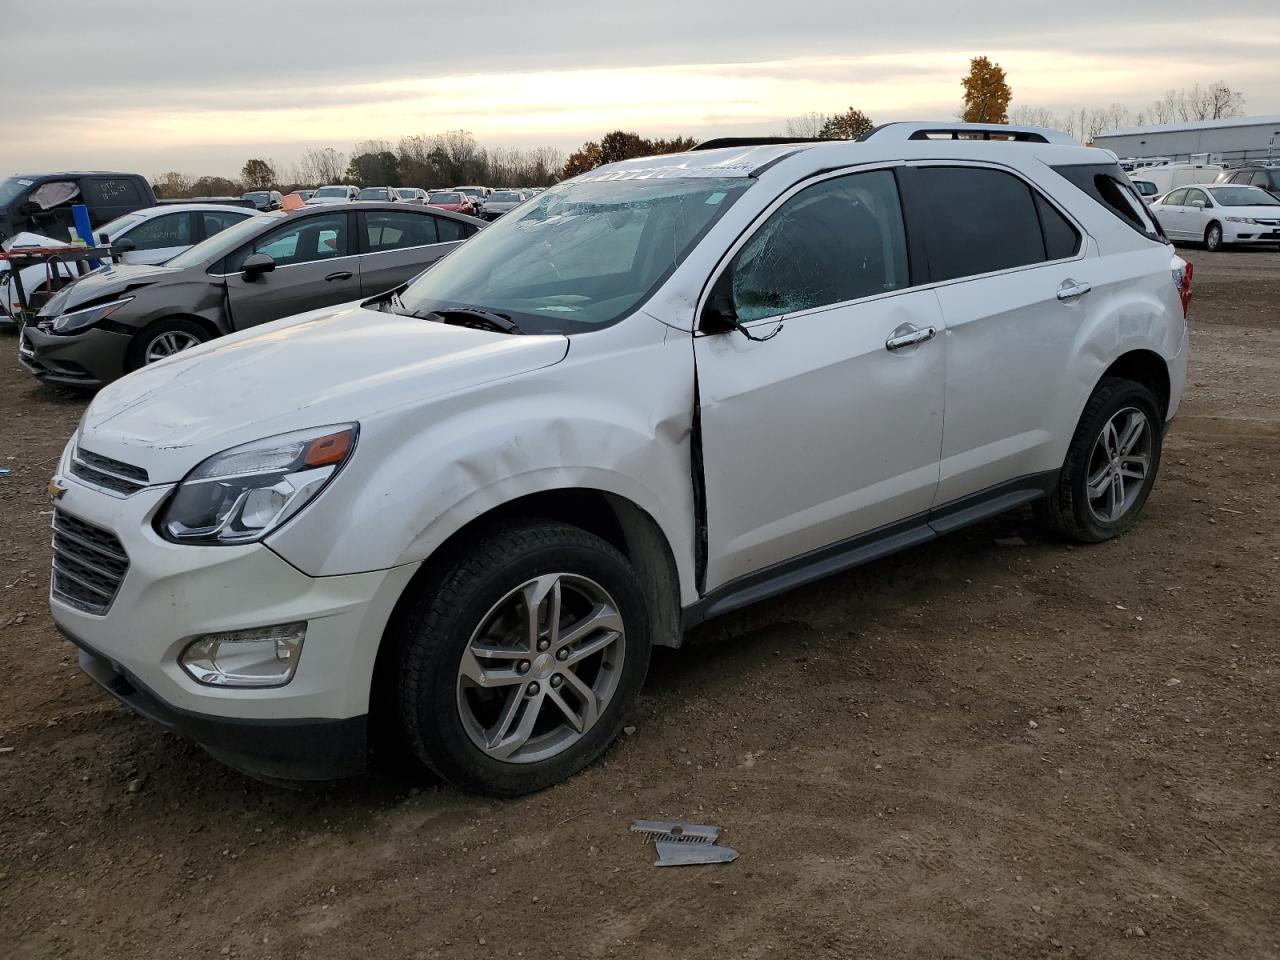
(908, 335)
(1072, 290)
(340, 275)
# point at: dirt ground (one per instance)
(970, 750)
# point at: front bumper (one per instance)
(172, 593)
(305, 749)
(1248, 233)
(89, 359)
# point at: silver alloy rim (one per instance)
(167, 344)
(1215, 238)
(1119, 464)
(541, 668)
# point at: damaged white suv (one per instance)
(461, 514)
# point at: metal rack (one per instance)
(76, 258)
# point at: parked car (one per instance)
(1258, 175)
(41, 202)
(1147, 190)
(156, 234)
(1166, 176)
(411, 195)
(37, 280)
(383, 194)
(265, 199)
(269, 266)
(476, 194)
(453, 201)
(1219, 214)
(333, 194)
(660, 391)
(500, 202)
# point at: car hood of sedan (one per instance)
(104, 283)
(337, 365)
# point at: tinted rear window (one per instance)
(1110, 186)
(983, 220)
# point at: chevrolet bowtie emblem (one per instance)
(56, 489)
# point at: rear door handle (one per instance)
(340, 275)
(908, 335)
(1072, 290)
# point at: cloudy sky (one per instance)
(199, 87)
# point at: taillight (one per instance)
(1182, 272)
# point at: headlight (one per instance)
(242, 494)
(1241, 220)
(78, 320)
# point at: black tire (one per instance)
(1213, 237)
(1067, 508)
(435, 629)
(141, 344)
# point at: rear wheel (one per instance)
(164, 339)
(1111, 464)
(519, 665)
(1213, 237)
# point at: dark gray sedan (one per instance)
(120, 318)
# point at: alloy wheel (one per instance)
(167, 344)
(541, 668)
(1119, 464)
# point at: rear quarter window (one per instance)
(1109, 186)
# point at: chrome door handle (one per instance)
(340, 275)
(1072, 290)
(907, 335)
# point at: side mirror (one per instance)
(1198, 204)
(719, 315)
(123, 245)
(256, 264)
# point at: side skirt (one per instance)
(856, 551)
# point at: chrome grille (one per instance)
(89, 564)
(114, 475)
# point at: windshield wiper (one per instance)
(497, 320)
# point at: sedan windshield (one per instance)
(373, 193)
(504, 197)
(1244, 197)
(578, 256)
(445, 198)
(331, 192)
(119, 225)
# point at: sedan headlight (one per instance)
(1241, 220)
(77, 320)
(242, 494)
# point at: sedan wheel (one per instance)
(167, 344)
(1213, 237)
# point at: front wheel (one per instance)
(518, 666)
(1213, 237)
(163, 339)
(1111, 464)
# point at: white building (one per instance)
(1218, 141)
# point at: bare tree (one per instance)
(320, 166)
(806, 125)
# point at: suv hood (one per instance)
(104, 283)
(336, 365)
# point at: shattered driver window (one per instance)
(54, 193)
(836, 241)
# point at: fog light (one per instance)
(260, 657)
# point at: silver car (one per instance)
(273, 265)
(500, 202)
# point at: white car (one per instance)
(1219, 214)
(464, 511)
(333, 194)
(157, 234)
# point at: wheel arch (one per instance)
(616, 519)
(1147, 368)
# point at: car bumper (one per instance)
(89, 359)
(1244, 233)
(173, 593)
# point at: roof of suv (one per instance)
(913, 141)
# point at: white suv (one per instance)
(463, 512)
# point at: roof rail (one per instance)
(950, 130)
(719, 142)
